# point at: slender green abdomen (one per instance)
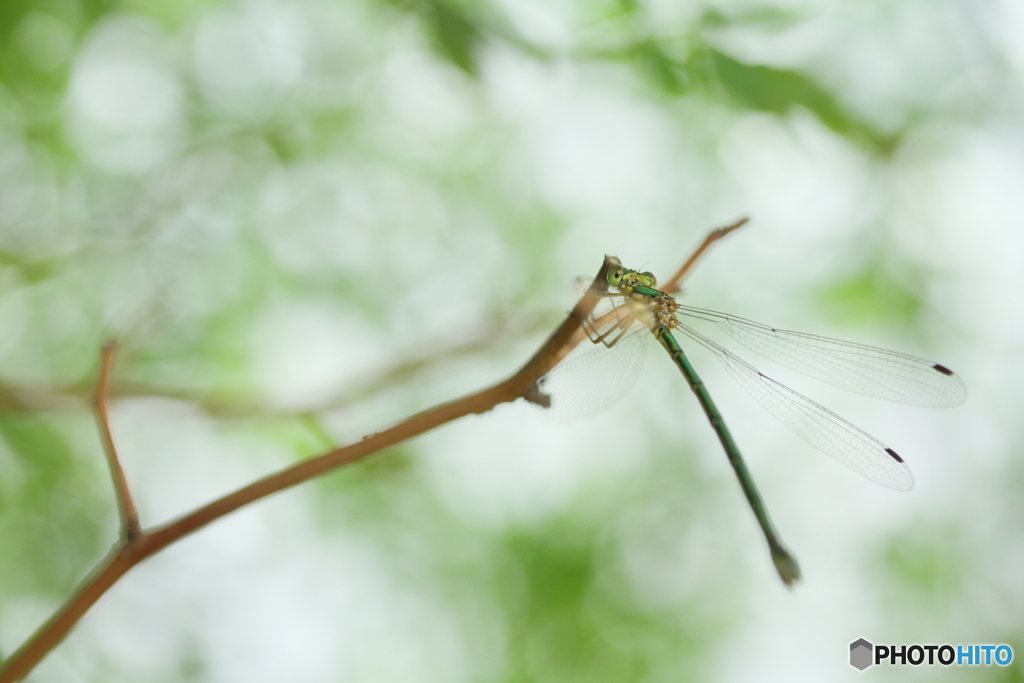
(785, 563)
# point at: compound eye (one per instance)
(615, 274)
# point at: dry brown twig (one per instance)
(31, 395)
(136, 544)
(130, 528)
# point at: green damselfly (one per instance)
(633, 304)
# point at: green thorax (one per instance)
(655, 308)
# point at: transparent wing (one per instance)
(610, 320)
(592, 380)
(856, 367)
(817, 425)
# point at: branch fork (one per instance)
(136, 544)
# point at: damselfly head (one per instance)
(647, 279)
(626, 280)
(615, 275)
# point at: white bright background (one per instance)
(201, 214)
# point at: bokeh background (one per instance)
(306, 220)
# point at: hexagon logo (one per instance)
(860, 654)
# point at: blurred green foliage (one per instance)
(871, 296)
(54, 519)
(254, 178)
(933, 565)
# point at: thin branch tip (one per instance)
(130, 528)
(674, 284)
